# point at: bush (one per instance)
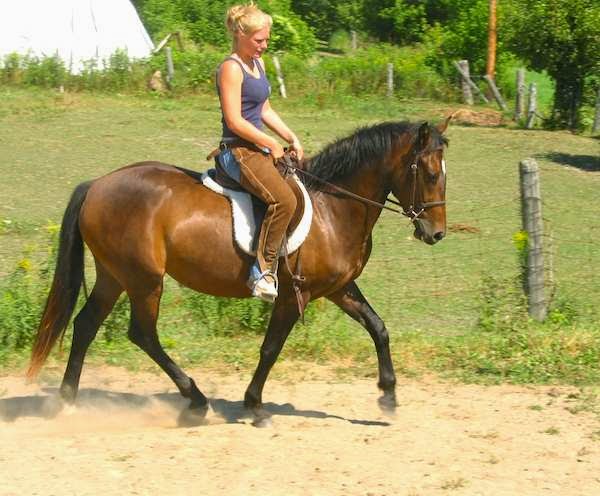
(194, 69)
(21, 301)
(364, 72)
(11, 69)
(47, 72)
(118, 73)
(227, 316)
(22, 297)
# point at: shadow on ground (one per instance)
(582, 162)
(49, 405)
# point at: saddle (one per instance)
(226, 176)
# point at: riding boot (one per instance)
(264, 284)
(260, 177)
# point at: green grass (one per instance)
(455, 308)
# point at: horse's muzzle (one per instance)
(424, 235)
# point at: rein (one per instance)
(413, 211)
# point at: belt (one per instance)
(240, 142)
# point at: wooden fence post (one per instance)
(531, 212)
(520, 98)
(390, 79)
(354, 40)
(280, 80)
(467, 79)
(532, 107)
(170, 67)
(466, 89)
(496, 92)
(596, 125)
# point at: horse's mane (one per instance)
(365, 147)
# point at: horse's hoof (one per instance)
(68, 394)
(262, 422)
(193, 416)
(387, 404)
(261, 418)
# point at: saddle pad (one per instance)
(244, 224)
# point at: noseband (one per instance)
(412, 212)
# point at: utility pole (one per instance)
(492, 39)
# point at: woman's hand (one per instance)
(276, 150)
(296, 148)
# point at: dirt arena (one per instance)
(328, 438)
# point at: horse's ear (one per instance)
(423, 136)
(443, 126)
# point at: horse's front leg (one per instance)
(353, 303)
(284, 316)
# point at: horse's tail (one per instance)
(68, 277)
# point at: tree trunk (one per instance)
(567, 101)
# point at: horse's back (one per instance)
(153, 217)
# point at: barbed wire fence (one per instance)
(481, 266)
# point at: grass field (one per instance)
(454, 307)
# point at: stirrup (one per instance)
(260, 286)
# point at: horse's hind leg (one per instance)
(85, 326)
(354, 304)
(143, 332)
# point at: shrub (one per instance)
(22, 297)
(364, 72)
(11, 69)
(21, 300)
(227, 316)
(47, 71)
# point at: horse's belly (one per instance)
(202, 256)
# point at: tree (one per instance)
(561, 37)
(396, 21)
(321, 15)
(459, 32)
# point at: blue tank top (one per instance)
(255, 92)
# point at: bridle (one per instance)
(414, 210)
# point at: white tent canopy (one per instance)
(76, 30)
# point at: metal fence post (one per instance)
(531, 211)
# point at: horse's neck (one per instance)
(349, 215)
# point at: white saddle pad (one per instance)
(244, 226)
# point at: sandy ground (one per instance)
(327, 438)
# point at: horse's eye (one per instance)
(433, 178)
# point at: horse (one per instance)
(149, 219)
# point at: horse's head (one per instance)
(419, 181)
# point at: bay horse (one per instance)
(149, 219)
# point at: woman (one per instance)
(244, 95)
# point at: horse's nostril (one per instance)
(438, 236)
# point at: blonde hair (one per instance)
(246, 19)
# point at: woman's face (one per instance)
(253, 45)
